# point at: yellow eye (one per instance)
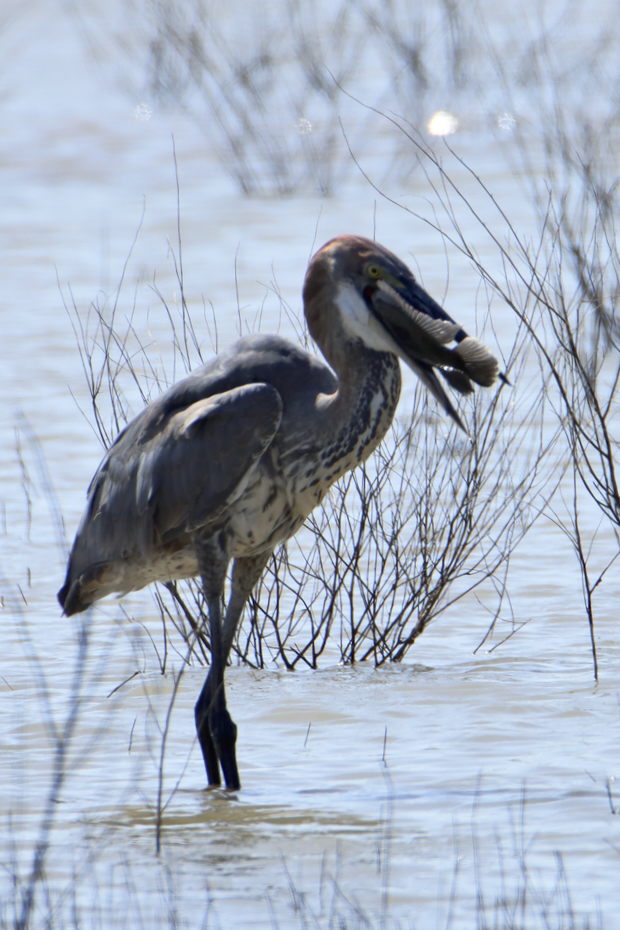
(373, 271)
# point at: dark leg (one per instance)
(246, 573)
(217, 732)
(207, 745)
(221, 727)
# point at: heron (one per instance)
(229, 462)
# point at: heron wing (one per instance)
(180, 478)
(201, 460)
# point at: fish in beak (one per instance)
(422, 332)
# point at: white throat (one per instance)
(359, 322)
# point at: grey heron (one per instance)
(229, 462)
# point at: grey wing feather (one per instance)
(181, 476)
(185, 474)
(183, 458)
(200, 463)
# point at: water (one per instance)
(417, 793)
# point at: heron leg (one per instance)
(246, 573)
(216, 730)
(221, 727)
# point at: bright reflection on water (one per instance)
(406, 792)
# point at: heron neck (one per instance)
(355, 364)
(369, 384)
(368, 381)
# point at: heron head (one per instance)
(362, 291)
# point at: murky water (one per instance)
(453, 785)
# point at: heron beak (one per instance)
(421, 331)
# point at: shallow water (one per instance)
(421, 793)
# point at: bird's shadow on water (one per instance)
(217, 818)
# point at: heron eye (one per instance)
(373, 271)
